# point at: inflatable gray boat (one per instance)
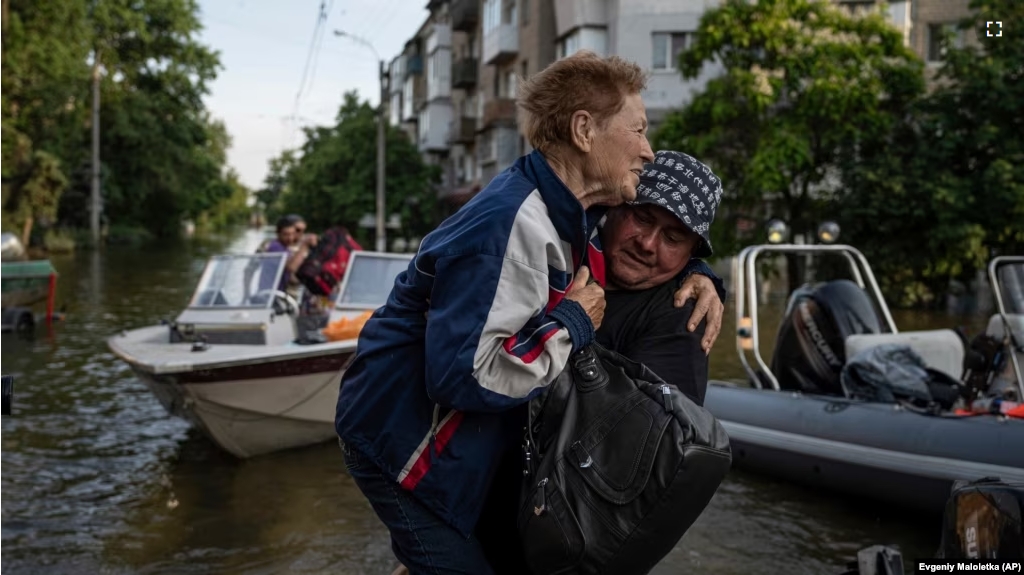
(849, 403)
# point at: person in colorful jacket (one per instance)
(489, 311)
(647, 243)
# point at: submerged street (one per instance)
(98, 478)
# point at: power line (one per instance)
(319, 46)
(384, 16)
(321, 19)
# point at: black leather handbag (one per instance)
(619, 464)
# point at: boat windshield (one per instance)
(1011, 283)
(369, 279)
(233, 281)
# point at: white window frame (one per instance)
(670, 59)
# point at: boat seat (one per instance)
(995, 325)
(941, 349)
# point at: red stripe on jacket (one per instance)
(422, 465)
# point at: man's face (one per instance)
(620, 151)
(287, 236)
(645, 246)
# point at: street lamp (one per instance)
(381, 238)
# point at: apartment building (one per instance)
(930, 20)
(496, 43)
(651, 33)
(923, 23)
(453, 88)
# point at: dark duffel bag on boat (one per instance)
(619, 464)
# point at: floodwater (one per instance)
(97, 478)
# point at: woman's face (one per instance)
(619, 151)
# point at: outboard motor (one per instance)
(983, 520)
(810, 349)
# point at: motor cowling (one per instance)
(810, 348)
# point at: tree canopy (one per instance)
(824, 115)
(331, 180)
(804, 86)
(947, 193)
(162, 155)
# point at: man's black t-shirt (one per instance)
(646, 327)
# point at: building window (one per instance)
(525, 11)
(859, 7)
(510, 84)
(569, 46)
(525, 73)
(492, 15)
(510, 13)
(593, 39)
(936, 40)
(667, 46)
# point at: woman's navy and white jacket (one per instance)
(474, 328)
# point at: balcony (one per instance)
(573, 14)
(414, 93)
(462, 131)
(501, 44)
(440, 37)
(434, 121)
(465, 14)
(464, 74)
(499, 111)
(414, 65)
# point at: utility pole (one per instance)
(94, 217)
(381, 157)
(382, 244)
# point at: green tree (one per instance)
(276, 183)
(230, 211)
(45, 83)
(45, 78)
(163, 153)
(163, 157)
(36, 199)
(333, 181)
(947, 193)
(806, 87)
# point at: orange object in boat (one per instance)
(346, 327)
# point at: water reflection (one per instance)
(98, 478)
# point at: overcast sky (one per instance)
(264, 45)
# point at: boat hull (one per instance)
(304, 416)
(248, 406)
(877, 451)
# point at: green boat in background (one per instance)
(24, 283)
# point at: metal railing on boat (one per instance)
(745, 272)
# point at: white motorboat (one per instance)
(234, 362)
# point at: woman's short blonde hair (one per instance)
(583, 81)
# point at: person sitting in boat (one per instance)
(647, 244)
(488, 313)
(292, 239)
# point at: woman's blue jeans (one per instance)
(421, 540)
